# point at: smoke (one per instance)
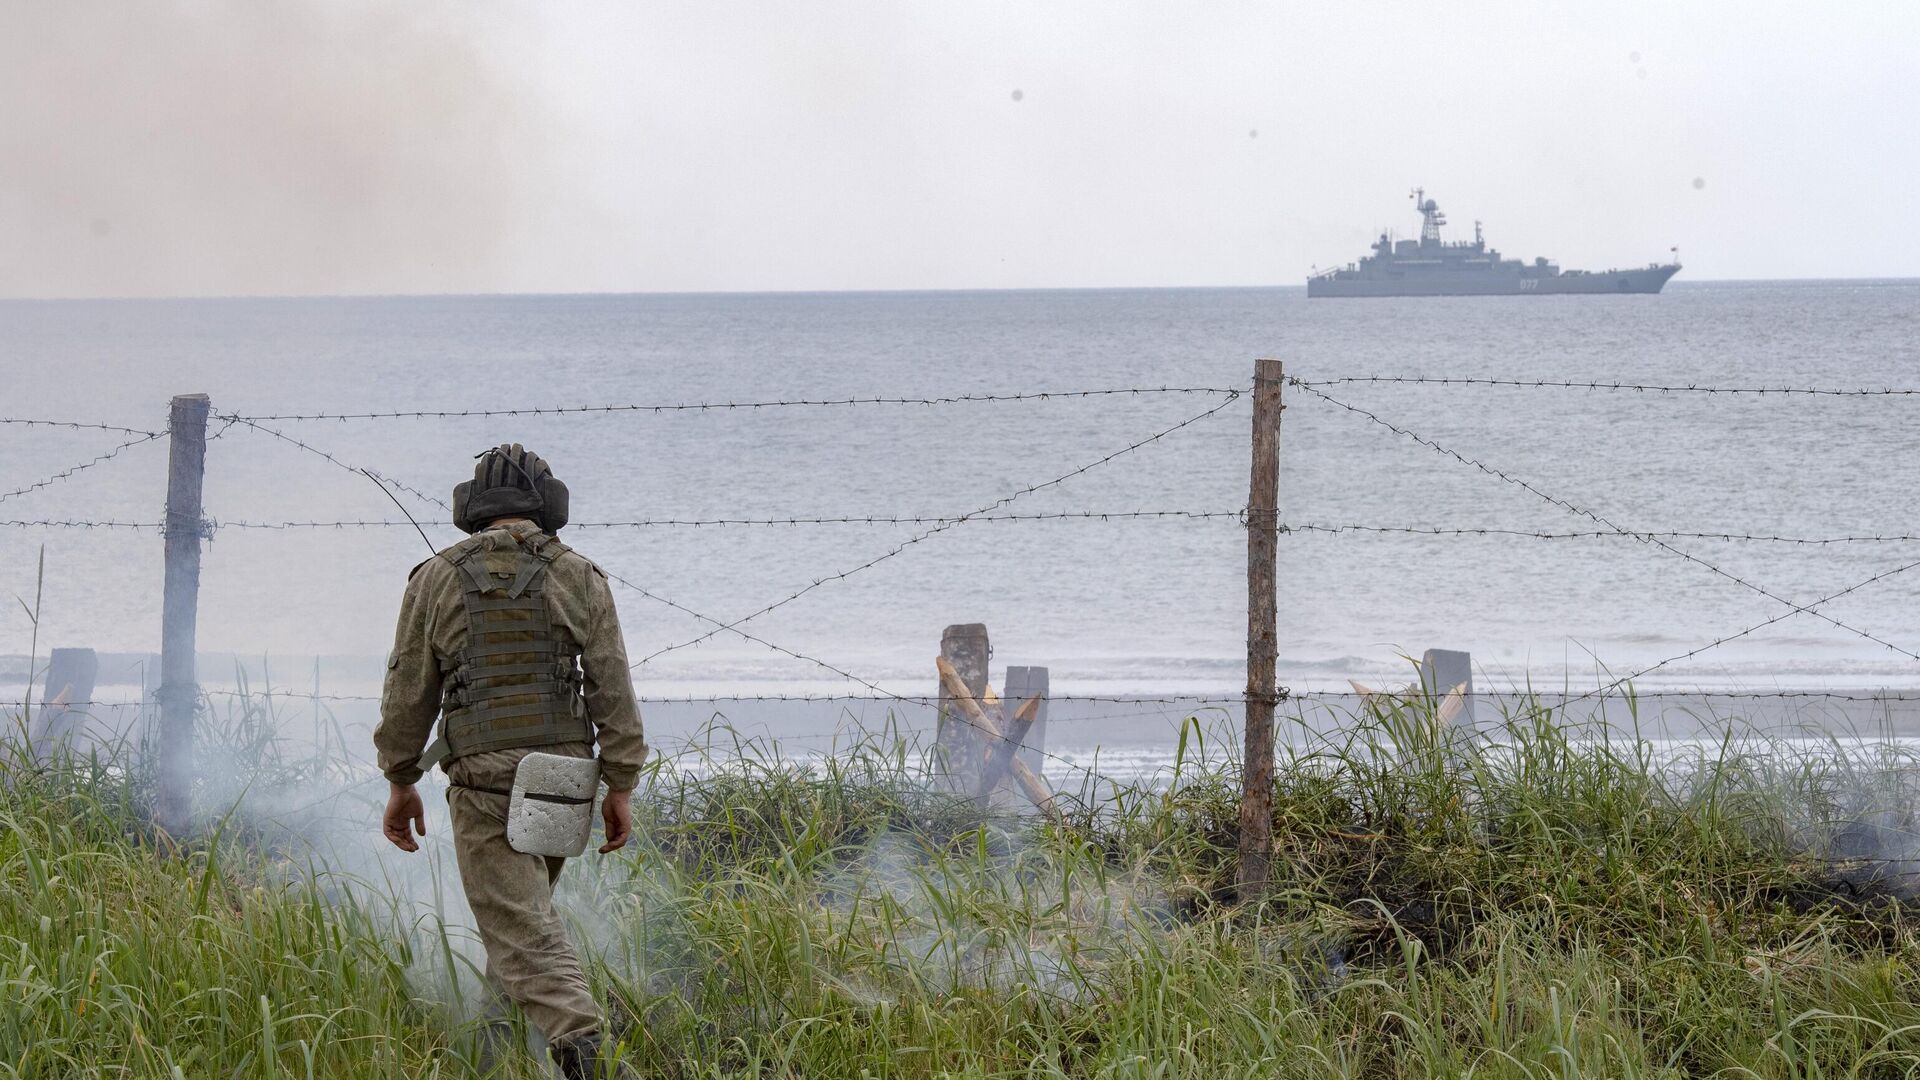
(1077, 921)
(1869, 829)
(222, 147)
(943, 899)
(298, 789)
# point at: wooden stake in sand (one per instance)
(1030, 785)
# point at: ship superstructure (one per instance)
(1430, 266)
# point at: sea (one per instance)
(1100, 537)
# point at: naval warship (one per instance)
(1430, 267)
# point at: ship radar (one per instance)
(1430, 217)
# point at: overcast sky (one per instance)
(222, 148)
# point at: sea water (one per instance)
(1131, 605)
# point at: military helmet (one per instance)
(510, 481)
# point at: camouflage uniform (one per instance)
(529, 957)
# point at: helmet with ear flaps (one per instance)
(510, 481)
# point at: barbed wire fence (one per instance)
(1324, 393)
(272, 426)
(282, 693)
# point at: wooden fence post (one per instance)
(179, 693)
(1263, 498)
(71, 674)
(961, 747)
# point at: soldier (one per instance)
(510, 637)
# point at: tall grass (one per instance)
(1557, 900)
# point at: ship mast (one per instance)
(1430, 217)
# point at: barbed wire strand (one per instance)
(1561, 697)
(77, 425)
(72, 469)
(1596, 534)
(717, 406)
(1570, 697)
(1589, 514)
(929, 699)
(702, 699)
(1177, 699)
(336, 462)
(77, 524)
(1716, 643)
(777, 522)
(1656, 388)
(19, 703)
(1237, 516)
(884, 519)
(1131, 699)
(943, 527)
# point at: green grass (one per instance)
(1560, 904)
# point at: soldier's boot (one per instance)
(580, 1058)
(497, 1042)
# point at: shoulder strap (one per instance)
(528, 576)
(547, 547)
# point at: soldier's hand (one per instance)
(616, 810)
(404, 809)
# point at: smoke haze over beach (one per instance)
(223, 148)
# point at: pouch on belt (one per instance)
(550, 811)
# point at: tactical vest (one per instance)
(516, 682)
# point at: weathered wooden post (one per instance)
(987, 721)
(1026, 684)
(71, 674)
(179, 692)
(1263, 520)
(1013, 763)
(959, 744)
